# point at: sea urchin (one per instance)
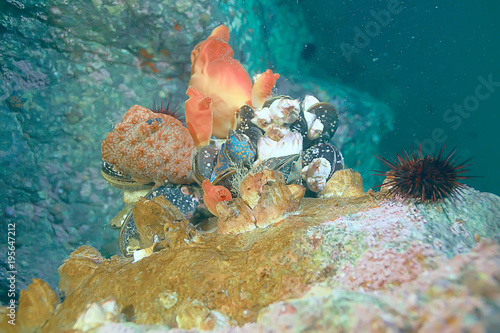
(169, 110)
(426, 178)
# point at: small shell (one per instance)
(168, 299)
(344, 183)
(235, 217)
(276, 200)
(316, 173)
(96, 314)
(388, 182)
(191, 314)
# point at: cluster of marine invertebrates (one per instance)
(265, 200)
(284, 135)
(249, 152)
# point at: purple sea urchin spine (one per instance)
(426, 178)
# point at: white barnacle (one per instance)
(284, 111)
(315, 129)
(290, 144)
(309, 100)
(262, 118)
(316, 173)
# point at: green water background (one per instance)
(426, 60)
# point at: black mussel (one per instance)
(300, 126)
(328, 116)
(129, 239)
(290, 166)
(121, 180)
(326, 151)
(240, 149)
(224, 168)
(246, 126)
(204, 161)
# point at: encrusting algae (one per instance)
(232, 275)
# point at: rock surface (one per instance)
(353, 264)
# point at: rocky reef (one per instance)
(247, 219)
(347, 263)
(68, 79)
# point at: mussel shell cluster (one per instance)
(221, 160)
(184, 197)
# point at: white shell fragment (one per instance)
(310, 118)
(316, 173)
(97, 314)
(315, 130)
(290, 144)
(143, 253)
(309, 101)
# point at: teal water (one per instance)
(430, 58)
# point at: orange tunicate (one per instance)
(200, 118)
(263, 87)
(213, 194)
(150, 146)
(217, 75)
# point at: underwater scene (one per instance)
(249, 166)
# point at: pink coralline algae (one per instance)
(383, 268)
(461, 294)
(150, 147)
